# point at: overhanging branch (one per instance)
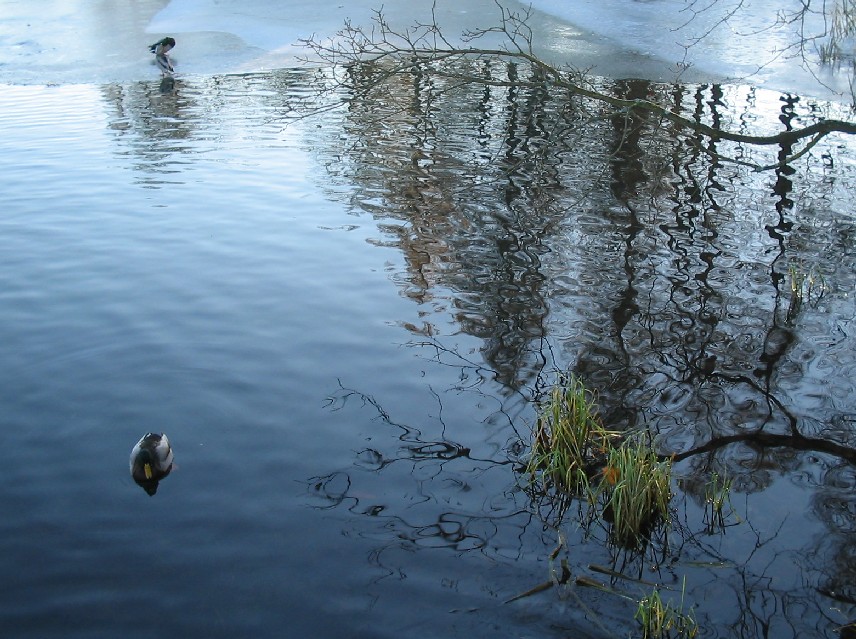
(425, 45)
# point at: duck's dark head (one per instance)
(146, 473)
(144, 465)
(165, 44)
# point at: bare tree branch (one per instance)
(387, 53)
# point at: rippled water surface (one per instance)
(341, 322)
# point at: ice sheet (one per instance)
(68, 41)
(63, 41)
(741, 40)
(274, 29)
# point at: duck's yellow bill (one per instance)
(147, 468)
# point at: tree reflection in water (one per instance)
(655, 267)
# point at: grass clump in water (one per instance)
(807, 285)
(569, 439)
(717, 494)
(662, 620)
(636, 485)
(573, 455)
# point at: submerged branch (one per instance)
(771, 440)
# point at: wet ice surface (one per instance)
(78, 41)
(728, 39)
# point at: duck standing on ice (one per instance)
(160, 49)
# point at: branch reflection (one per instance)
(649, 263)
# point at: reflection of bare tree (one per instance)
(653, 268)
(444, 215)
(431, 506)
(700, 374)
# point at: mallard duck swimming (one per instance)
(151, 461)
(160, 49)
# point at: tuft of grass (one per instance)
(569, 447)
(637, 489)
(717, 494)
(842, 27)
(807, 285)
(569, 438)
(662, 620)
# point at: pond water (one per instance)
(341, 321)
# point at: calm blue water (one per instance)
(340, 340)
(172, 266)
